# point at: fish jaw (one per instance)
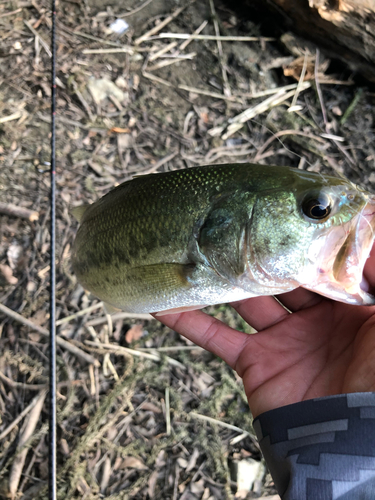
(339, 259)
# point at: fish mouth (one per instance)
(342, 260)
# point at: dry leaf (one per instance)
(182, 462)
(14, 255)
(125, 141)
(83, 487)
(294, 69)
(151, 407)
(206, 494)
(64, 447)
(10, 334)
(101, 88)
(193, 460)
(134, 333)
(119, 130)
(152, 483)
(133, 463)
(34, 337)
(160, 460)
(106, 474)
(7, 272)
(40, 317)
(197, 487)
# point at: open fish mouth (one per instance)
(342, 259)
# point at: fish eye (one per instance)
(317, 207)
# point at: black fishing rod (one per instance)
(52, 345)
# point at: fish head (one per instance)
(317, 233)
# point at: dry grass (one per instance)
(141, 416)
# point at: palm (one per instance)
(322, 348)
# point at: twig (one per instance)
(280, 134)
(9, 118)
(83, 101)
(68, 121)
(218, 422)
(210, 94)
(183, 36)
(120, 315)
(333, 137)
(167, 412)
(168, 62)
(224, 75)
(224, 424)
(17, 466)
(90, 37)
(160, 163)
(35, 33)
(318, 89)
(107, 363)
(241, 97)
(191, 38)
(16, 211)
(108, 317)
(43, 331)
(346, 154)
(150, 76)
(176, 481)
(237, 122)
(172, 45)
(11, 13)
(331, 81)
(92, 380)
(82, 312)
(239, 438)
(233, 151)
(157, 79)
(119, 350)
(120, 50)
(161, 25)
(12, 383)
(162, 51)
(293, 106)
(137, 9)
(24, 412)
(35, 454)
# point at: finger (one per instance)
(299, 299)
(260, 312)
(209, 333)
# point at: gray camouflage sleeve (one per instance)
(321, 449)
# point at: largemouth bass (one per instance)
(206, 235)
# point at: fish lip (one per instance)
(342, 278)
(357, 252)
(367, 218)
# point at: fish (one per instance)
(185, 239)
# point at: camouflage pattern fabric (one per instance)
(321, 449)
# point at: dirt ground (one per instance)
(150, 422)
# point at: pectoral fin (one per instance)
(163, 278)
(109, 309)
(221, 240)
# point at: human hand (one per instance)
(321, 348)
